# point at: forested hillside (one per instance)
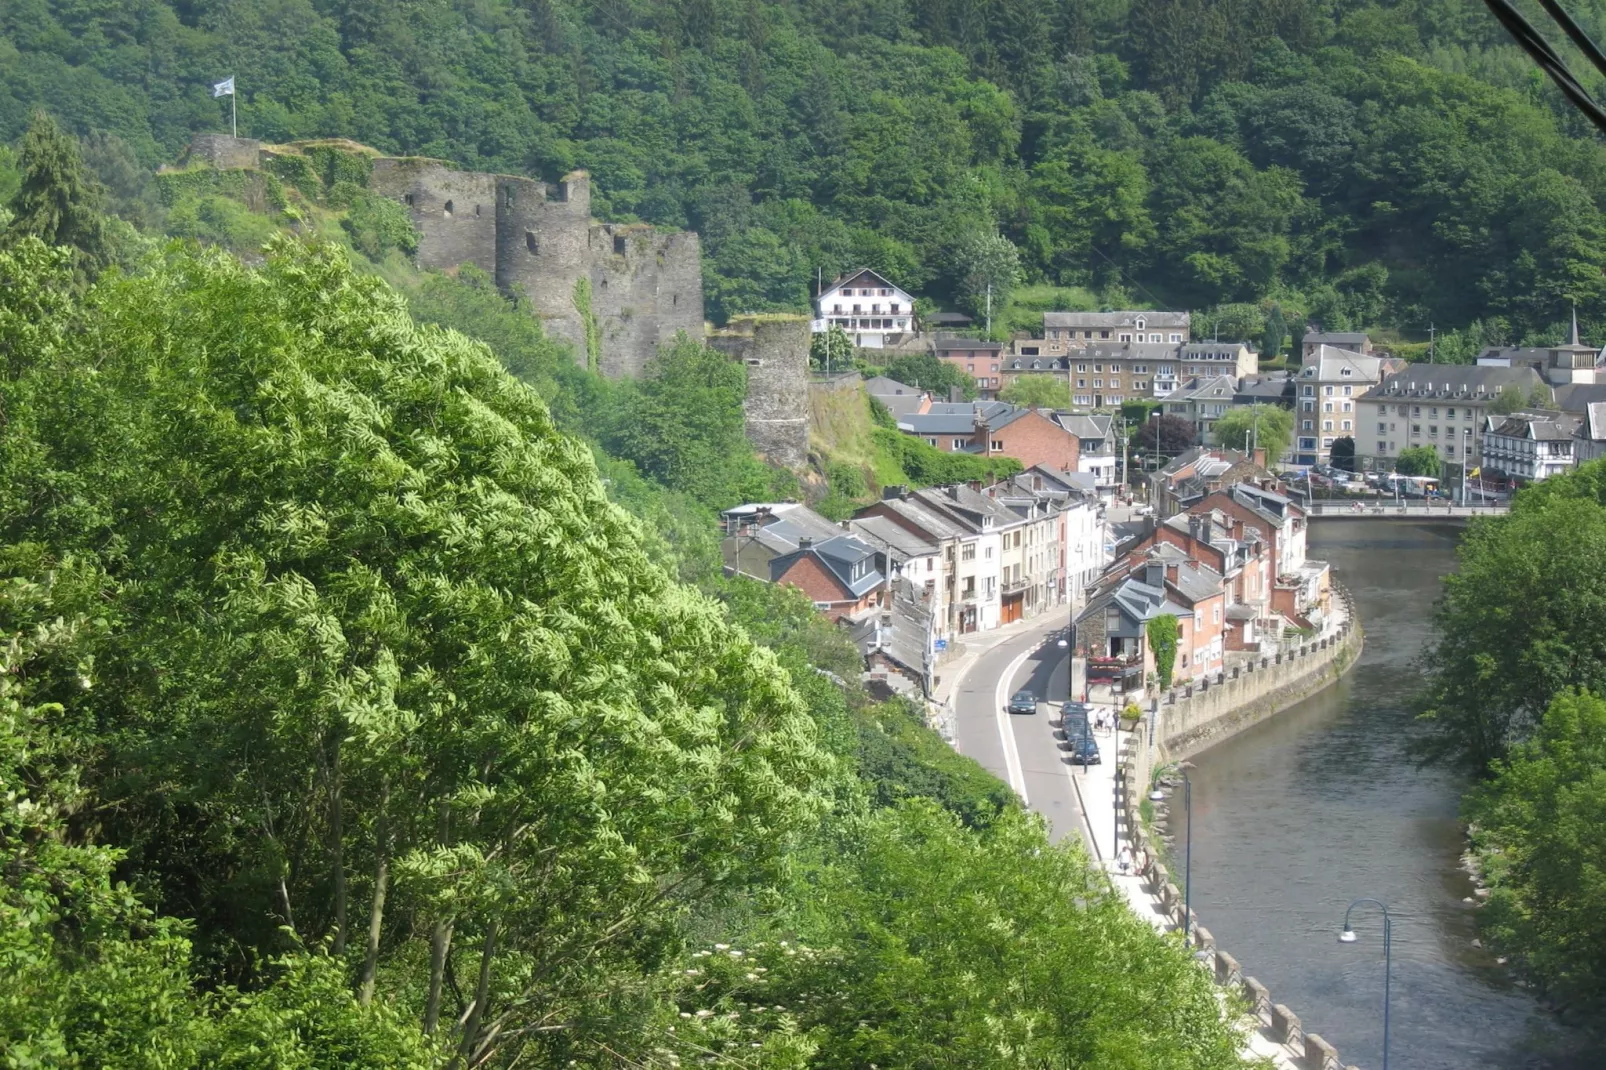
(1358, 164)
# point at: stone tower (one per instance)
(775, 351)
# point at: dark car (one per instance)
(1074, 718)
(1084, 751)
(1023, 702)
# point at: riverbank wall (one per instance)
(1192, 718)
(1188, 720)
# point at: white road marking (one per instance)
(1006, 728)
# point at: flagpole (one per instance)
(234, 128)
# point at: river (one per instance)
(1320, 805)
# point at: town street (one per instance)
(1025, 751)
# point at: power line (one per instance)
(1548, 59)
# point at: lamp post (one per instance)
(1348, 937)
(1187, 855)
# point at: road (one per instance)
(1026, 751)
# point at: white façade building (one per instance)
(871, 309)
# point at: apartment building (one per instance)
(1329, 384)
(977, 359)
(874, 311)
(1441, 405)
(1105, 374)
(1069, 330)
(1202, 401)
(1531, 445)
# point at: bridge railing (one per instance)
(1391, 508)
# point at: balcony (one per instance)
(1015, 586)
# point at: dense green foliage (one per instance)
(1540, 827)
(1523, 618)
(418, 751)
(1418, 461)
(56, 200)
(1163, 632)
(1267, 427)
(1038, 392)
(1349, 163)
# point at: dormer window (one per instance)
(1345, 371)
(1141, 323)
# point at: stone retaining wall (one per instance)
(1184, 722)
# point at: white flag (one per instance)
(224, 88)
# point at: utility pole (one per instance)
(989, 311)
(1431, 332)
(1126, 471)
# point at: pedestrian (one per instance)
(1123, 859)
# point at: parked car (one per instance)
(1076, 719)
(1084, 751)
(1023, 702)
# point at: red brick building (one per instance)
(995, 429)
(977, 359)
(842, 576)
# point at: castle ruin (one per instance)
(615, 291)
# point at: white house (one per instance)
(1530, 445)
(871, 309)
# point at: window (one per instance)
(1449, 414)
(1416, 410)
(1327, 425)
(1307, 406)
(970, 587)
(995, 367)
(1218, 615)
(1329, 391)
(1433, 430)
(931, 442)
(971, 368)
(1327, 406)
(1382, 428)
(1140, 369)
(1449, 451)
(1081, 382)
(1309, 392)
(1098, 383)
(1304, 425)
(1347, 406)
(1346, 426)
(1098, 367)
(1176, 337)
(998, 443)
(968, 553)
(1416, 430)
(893, 308)
(847, 291)
(1081, 367)
(958, 444)
(988, 553)
(1154, 338)
(1347, 389)
(1346, 372)
(1102, 334)
(1126, 338)
(1434, 412)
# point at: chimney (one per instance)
(953, 491)
(1198, 529)
(1171, 573)
(955, 394)
(1260, 456)
(895, 492)
(805, 542)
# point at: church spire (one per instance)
(1575, 323)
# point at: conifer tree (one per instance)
(59, 201)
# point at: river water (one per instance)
(1320, 805)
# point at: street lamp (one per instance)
(1348, 937)
(1187, 857)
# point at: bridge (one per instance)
(1389, 509)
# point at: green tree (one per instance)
(934, 946)
(1537, 827)
(1038, 392)
(1343, 453)
(1518, 622)
(1267, 427)
(926, 371)
(986, 269)
(831, 348)
(58, 201)
(1418, 461)
(1276, 333)
(422, 694)
(1163, 632)
(682, 424)
(1510, 399)
(1541, 396)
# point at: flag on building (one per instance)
(1475, 473)
(224, 88)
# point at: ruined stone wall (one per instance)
(646, 287)
(775, 351)
(224, 152)
(541, 249)
(453, 211)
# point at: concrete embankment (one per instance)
(1188, 720)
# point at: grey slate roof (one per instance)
(1093, 321)
(1335, 338)
(900, 399)
(937, 523)
(1540, 426)
(839, 554)
(1330, 364)
(1203, 387)
(1449, 381)
(1593, 426)
(1085, 426)
(959, 417)
(949, 344)
(897, 540)
(1577, 397)
(1265, 389)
